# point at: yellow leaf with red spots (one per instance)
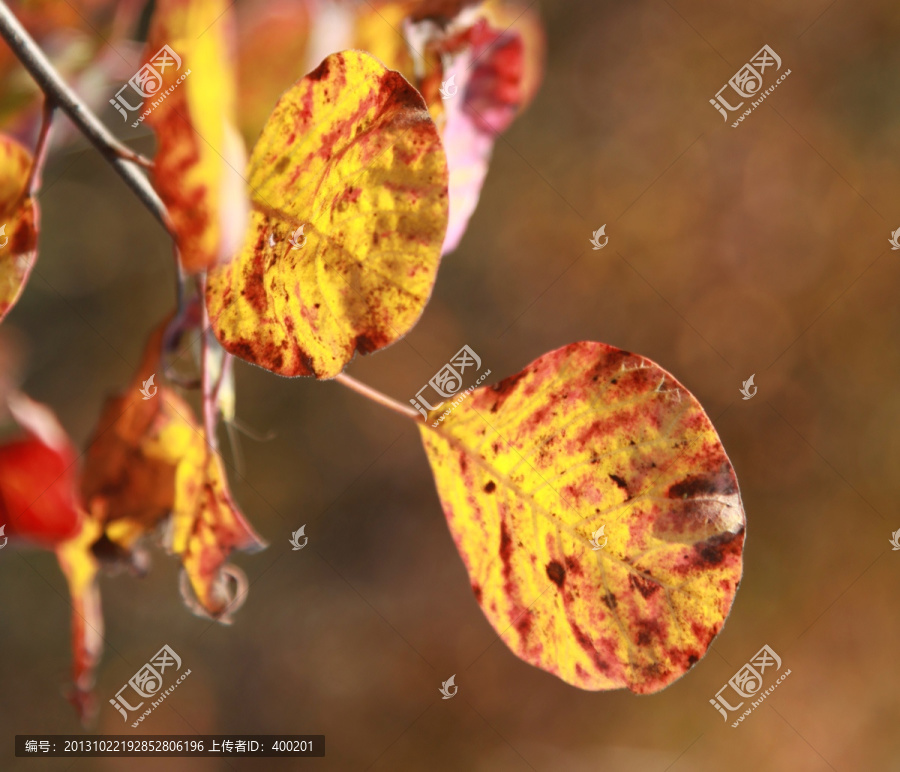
(597, 514)
(189, 88)
(349, 210)
(18, 223)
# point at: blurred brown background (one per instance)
(762, 249)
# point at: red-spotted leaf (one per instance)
(18, 223)
(349, 210)
(484, 79)
(597, 514)
(191, 105)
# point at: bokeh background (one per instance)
(762, 249)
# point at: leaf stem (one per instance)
(208, 392)
(377, 396)
(120, 157)
(40, 150)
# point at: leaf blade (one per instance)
(524, 488)
(351, 155)
(18, 221)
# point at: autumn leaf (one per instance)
(491, 72)
(40, 504)
(38, 477)
(81, 569)
(149, 466)
(18, 223)
(589, 437)
(200, 156)
(349, 209)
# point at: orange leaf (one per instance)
(149, 461)
(81, 569)
(598, 516)
(201, 156)
(349, 186)
(18, 223)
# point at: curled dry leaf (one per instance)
(18, 223)
(200, 156)
(149, 460)
(349, 209)
(529, 471)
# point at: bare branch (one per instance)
(58, 94)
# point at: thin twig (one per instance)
(208, 392)
(40, 149)
(120, 157)
(377, 396)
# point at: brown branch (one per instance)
(40, 149)
(58, 94)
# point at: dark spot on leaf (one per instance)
(490, 487)
(619, 481)
(714, 550)
(281, 165)
(647, 631)
(556, 573)
(366, 344)
(504, 389)
(722, 483)
(586, 644)
(646, 587)
(477, 590)
(572, 565)
(321, 72)
(505, 549)
(524, 623)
